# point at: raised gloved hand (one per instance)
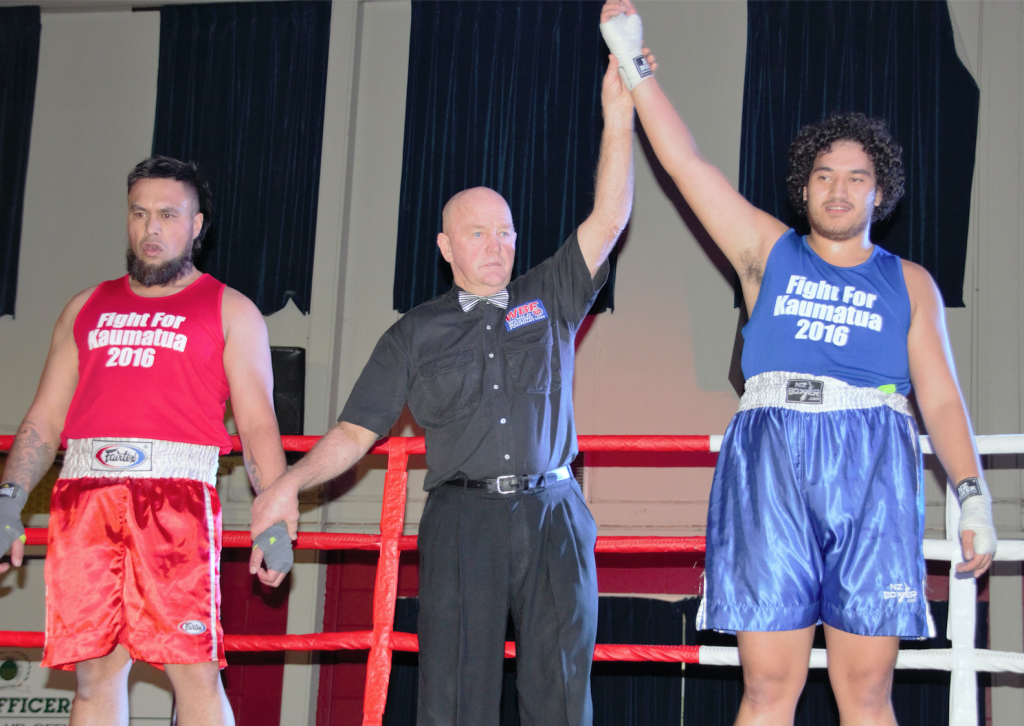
(624, 35)
(276, 546)
(12, 501)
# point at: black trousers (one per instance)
(483, 554)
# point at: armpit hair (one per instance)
(750, 268)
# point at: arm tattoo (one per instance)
(253, 470)
(30, 458)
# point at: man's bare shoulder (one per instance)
(238, 306)
(921, 287)
(239, 313)
(76, 304)
(917, 278)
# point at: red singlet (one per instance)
(151, 367)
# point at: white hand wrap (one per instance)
(624, 35)
(976, 514)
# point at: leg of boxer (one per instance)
(172, 573)
(199, 696)
(84, 571)
(554, 604)
(860, 670)
(101, 695)
(774, 672)
(464, 574)
(866, 491)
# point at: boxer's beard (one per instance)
(829, 230)
(163, 273)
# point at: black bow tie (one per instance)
(468, 300)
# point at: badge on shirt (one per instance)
(525, 314)
(804, 391)
(119, 455)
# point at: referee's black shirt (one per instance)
(492, 388)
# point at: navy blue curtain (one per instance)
(505, 95)
(240, 91)
(888, 58)
(19, 62)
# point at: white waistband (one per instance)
(140, 459)
(803, 392)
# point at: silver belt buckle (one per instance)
(508, 484)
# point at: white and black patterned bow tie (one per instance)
(468, 300)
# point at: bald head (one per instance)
(479, 240)
(465, 202)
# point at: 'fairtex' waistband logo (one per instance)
(121, 455)
(525, 314)
(804, 391)
(192, 627)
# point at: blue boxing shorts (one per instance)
(817, 512)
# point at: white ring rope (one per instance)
(936, 659)
(944, 549)
(996, 444)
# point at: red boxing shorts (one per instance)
(133, 556)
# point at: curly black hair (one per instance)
(166, 167)
(871, 133)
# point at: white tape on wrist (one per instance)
(624, 35)
(976, 514)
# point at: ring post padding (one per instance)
(963, 682)
(385, 591)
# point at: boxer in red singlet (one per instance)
(135, 386)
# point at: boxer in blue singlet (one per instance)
(816, 510)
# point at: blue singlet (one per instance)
(848, 323)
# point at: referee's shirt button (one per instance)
(506, 456)
(488, 327)
(490, 355)
(502, 421)
(495, 386)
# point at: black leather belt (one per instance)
(514, 482)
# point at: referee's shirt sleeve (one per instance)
(379, 395)
(575, 288)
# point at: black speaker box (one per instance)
(289, 388)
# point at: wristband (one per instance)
(12, 501)
(976, 514)
(624, 36)
(969, 487)
(277, 547)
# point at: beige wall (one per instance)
(93, 121)
(989, 334)
(659, 364)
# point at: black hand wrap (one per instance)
(277, 547)
(12, 501)
(969, 487)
